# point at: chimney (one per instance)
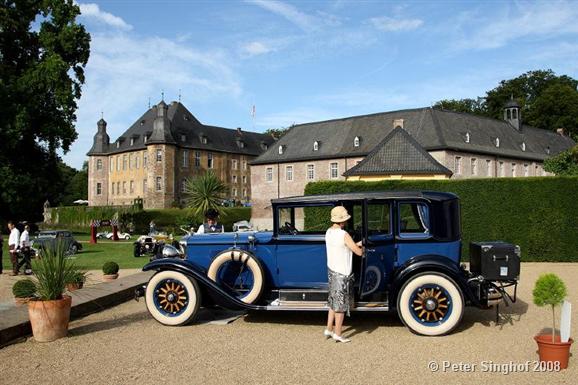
(560, 131)
(239, 131)
(397, 123)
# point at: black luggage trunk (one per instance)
(495, 261)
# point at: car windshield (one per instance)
(47, 234)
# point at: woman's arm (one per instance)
(352, 245)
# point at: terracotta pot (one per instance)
(49, 319)
(109, 277)
(74, 286)
(553, 351)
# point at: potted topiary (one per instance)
(49, 311)
(110, 271)
(551, 290)
(76, 281)
(23, 291)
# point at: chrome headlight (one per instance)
(170, 252)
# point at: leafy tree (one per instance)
(565, 163)
(472, 106)
(204, 192)
(277, 133)
(43, 52)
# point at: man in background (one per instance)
(13, 242)
(25, 249)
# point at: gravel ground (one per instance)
(124, 345)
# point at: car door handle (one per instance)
(371, 250)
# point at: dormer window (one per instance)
(203, 139)
(142, 122)
(118, 144)
(145, 138)
(497, 142)
(315, 146)
(264, 146)
(183, 138)
(240, 143)
(356, 141)
(548, 150)
(523, 146)
(467, 137)
(281, 149)
(131, 141)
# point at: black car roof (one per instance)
(429, 195)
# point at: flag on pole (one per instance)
(253, 111)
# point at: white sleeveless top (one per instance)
(338, 254)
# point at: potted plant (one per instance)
(49, 311)
(77, 281)
(551, 290)
(23, 291)
(110, 271)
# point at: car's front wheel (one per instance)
(73, 249)
(172, 298)
(430, 304)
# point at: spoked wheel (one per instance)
(431, 304)
(240, 272)
(172, 298)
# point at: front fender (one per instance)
(218, 294)
(426, 263)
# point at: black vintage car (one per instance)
(50, 238)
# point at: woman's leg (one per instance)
(330, 319)
(338, 323)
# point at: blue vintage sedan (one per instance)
(412, 263)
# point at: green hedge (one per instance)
(539, 214)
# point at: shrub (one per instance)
(536, 213)
(25, 288)
(78, 277)
(549, 290)
(110, 268)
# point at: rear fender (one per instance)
(219, 295)
(429, 263)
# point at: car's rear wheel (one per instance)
(73, 249)
(172, 298)
(430, 304)
(239, 271)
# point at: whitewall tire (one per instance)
(248, 265)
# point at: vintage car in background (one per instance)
(411, 265)
(153, 246)
(50, 238)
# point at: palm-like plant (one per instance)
(52, 272)
(204, 192)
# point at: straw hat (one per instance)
(339, 214)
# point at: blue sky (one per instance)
(302, 61)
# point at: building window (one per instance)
(497, 142)
(235, 164)
(159, 184)
(474, 166)
(145, 138)
(333, 171)
(129, 161)
(523, 146)
(514, 169)
(137, 161)
(488, 167)
(204, 139)
(185, 158)
(124, 159)
(131, 187)
(467, 137)
(526, 170)
(269, 174)
(289, 173)
(310, 171)
(145, 158)
(197, 159)
(144, 186)
(111, 164)
(234, 178)
(210, 160)
(244, 179)
(99, 164)
(112, 188)
(245, 165)
(235, 192)
(315, 146)
(117, 188)
(244, 193)
(514, 114)
(183, 138)
(356, 141)
(118, 163)
(501, 169)
(280, 150)
(159, 155)
(123, 188)
(117, 144)
(458, 165)
(98, 188)
(131, 141)
(509, 114)
(183, 185)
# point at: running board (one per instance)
(322, 306)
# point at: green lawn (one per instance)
(93, 256)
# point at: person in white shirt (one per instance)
(25, 248)
(211, 225)
(340, 247)
(13, 242)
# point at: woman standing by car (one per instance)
(340, 247)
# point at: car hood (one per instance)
(228, 238)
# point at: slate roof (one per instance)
(183, 123)
(433, 129)
(398, 153)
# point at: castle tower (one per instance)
(98, 164)
(512, 114)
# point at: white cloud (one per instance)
(542, 20)
(255, 48)
(93, 11)
(289, 12)
(390, 24)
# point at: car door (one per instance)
(379, 247)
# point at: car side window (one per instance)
(312, 220)
(378, 220)
(413, 219)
